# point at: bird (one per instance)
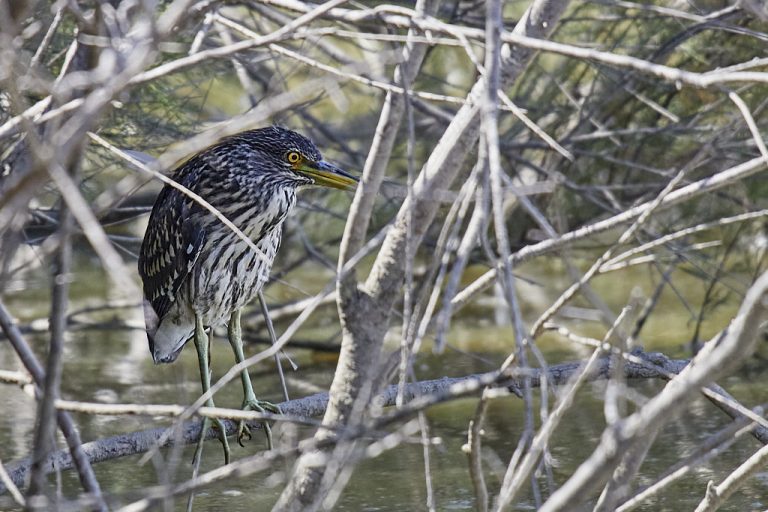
(197, 272)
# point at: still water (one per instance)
(114, 366)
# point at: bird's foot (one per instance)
(253, 404)
(222, 431)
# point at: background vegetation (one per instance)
(543, 182)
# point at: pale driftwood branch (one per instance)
(381, 146)
(617, 260)
(226, 51)
(750, 121)
(405, 18)
(140, 442)
(717, 358)
(5, 478)
(363, 331)
(365, 311)
(418, 395)
(45, 428)
(518, 474)
(76, 453)
(625, 237)
(696, 189)
(473, 448)
(717, 494)
(712, 447)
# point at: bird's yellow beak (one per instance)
(327, 175)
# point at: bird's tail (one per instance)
(151, 320)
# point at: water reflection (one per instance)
(113, 366)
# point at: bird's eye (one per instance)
(293, 157)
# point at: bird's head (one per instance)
(295, 157)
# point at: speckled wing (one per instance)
(170, 249)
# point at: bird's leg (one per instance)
(250, 402)
(202, 344)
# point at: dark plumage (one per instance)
(190, 261)
(196, 271)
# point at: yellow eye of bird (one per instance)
(293, 157)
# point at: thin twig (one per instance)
(67, 426)
(717, 494)
(418, 396)
(474, 452)
(46, 422)
(273, 338)
(698, 188)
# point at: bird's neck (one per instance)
(257, 212)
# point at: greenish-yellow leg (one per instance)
(250, 402)
(202, 344)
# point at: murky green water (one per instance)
(114, 366)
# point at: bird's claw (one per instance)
(244, 431)
(217, 424)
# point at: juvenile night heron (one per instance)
(197, 272)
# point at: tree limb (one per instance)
(418, 396)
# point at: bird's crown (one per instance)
(281, 143)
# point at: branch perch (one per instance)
(418, 396)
